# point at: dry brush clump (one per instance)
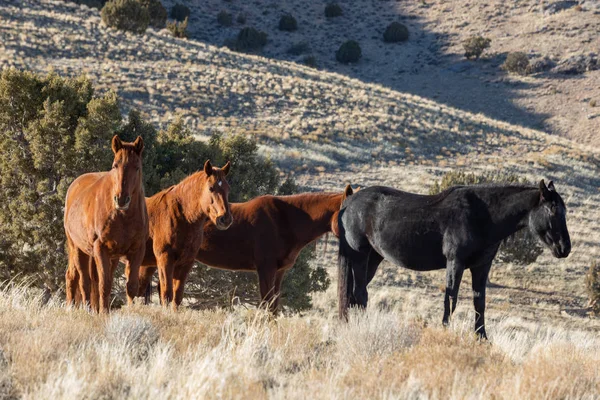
(475, 46)
(395, 32)
(517, 63)
(126, 15)
(178, 29)
(592, 285)
(349, 52)
(145, 351)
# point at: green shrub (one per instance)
(349, 52)
(224, 18)
(333, 10)
(522, 248)
(178, 29)
(592, 285)
(310, 61)
(180, 12)
(126, 15)
(475, 46)
(288, 23)
(395, 32)
(157, 13)
(51, 131)
(517, 63)
(298, 48)
(248, 40)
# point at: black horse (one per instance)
(460, 228)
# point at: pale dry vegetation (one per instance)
(48, 351)
(327, 130)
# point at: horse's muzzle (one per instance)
(122, 206)
(223, 222)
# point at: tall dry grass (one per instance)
(49, 351)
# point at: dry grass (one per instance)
(53, 352)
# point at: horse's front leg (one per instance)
(454, 273)
(179, 277)
(166, 267)
(104, 268)
(479, 280)
(132, 272)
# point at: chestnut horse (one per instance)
(266, 236)
(177, 217)
(106, 219)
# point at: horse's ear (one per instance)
(116, 144)
(208, 168)
(544, 192)
(226, 168)
(551, 186)
(138, 145)
(348, 191)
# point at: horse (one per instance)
(460, 228)
(266, 236)
(106, 219)
(177, 217)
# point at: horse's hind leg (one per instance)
(145, 290)
(374, 260)
(479, 276)
(267, 272)
(71, 285)
(132, 273)
(359, 263)
(454, 273)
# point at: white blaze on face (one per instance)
(220, 183)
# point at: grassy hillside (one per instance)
(328, 129)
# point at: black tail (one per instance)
(345, 279)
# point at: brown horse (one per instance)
(106, 219)
(177, 217)
(267, 235)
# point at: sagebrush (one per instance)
(349, 52)
(126, 15)
(475, 46)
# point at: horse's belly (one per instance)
(419, 254)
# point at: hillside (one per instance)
(327, 129)
(431, 63)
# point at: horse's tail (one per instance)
(345, 279)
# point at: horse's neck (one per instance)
(186, 194)
(318, 210)
(511, 212)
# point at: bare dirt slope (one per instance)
(329, 129)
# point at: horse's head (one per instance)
(126, 171)
(215, 194)
(348, 191)
(548, 221)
